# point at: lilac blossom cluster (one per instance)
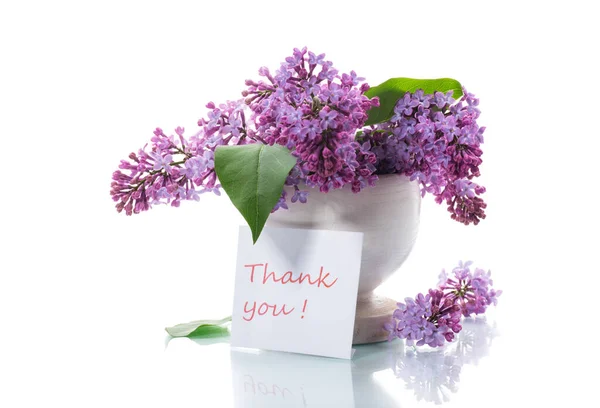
(434, 318)
(307, 106)
(315, 112)
(435, 140)
(178, 168)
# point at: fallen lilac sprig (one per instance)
(434, 318)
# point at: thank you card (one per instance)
(295, 291)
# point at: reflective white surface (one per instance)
(276, 379)
(85, 292)
(480, 366)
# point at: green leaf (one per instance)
(200, 328)
(393, 89)
(253, 176)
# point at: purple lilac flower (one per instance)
(178, 168)
(472, 291)
(316, 112)
(282, 203)
(435, 141)
(428, 319)
(434, 318)
(307, 106)
(301, 196)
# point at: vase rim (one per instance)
(384, 178)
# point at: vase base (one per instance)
(372, 312)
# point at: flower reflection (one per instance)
(433, 374)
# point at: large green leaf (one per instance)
(253, 176)
(393, 89)
(200, 328)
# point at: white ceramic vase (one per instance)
(388, 215)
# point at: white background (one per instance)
(85, 292)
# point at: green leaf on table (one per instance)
(253, 175)
(200, 328)
(393, 89)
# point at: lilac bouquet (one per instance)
(309, 126)
(434, 318)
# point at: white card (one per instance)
(295, 291)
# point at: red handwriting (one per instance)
(304, 307)
(252, 273)
(263, 309)
(287, 277)
(252, 309)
